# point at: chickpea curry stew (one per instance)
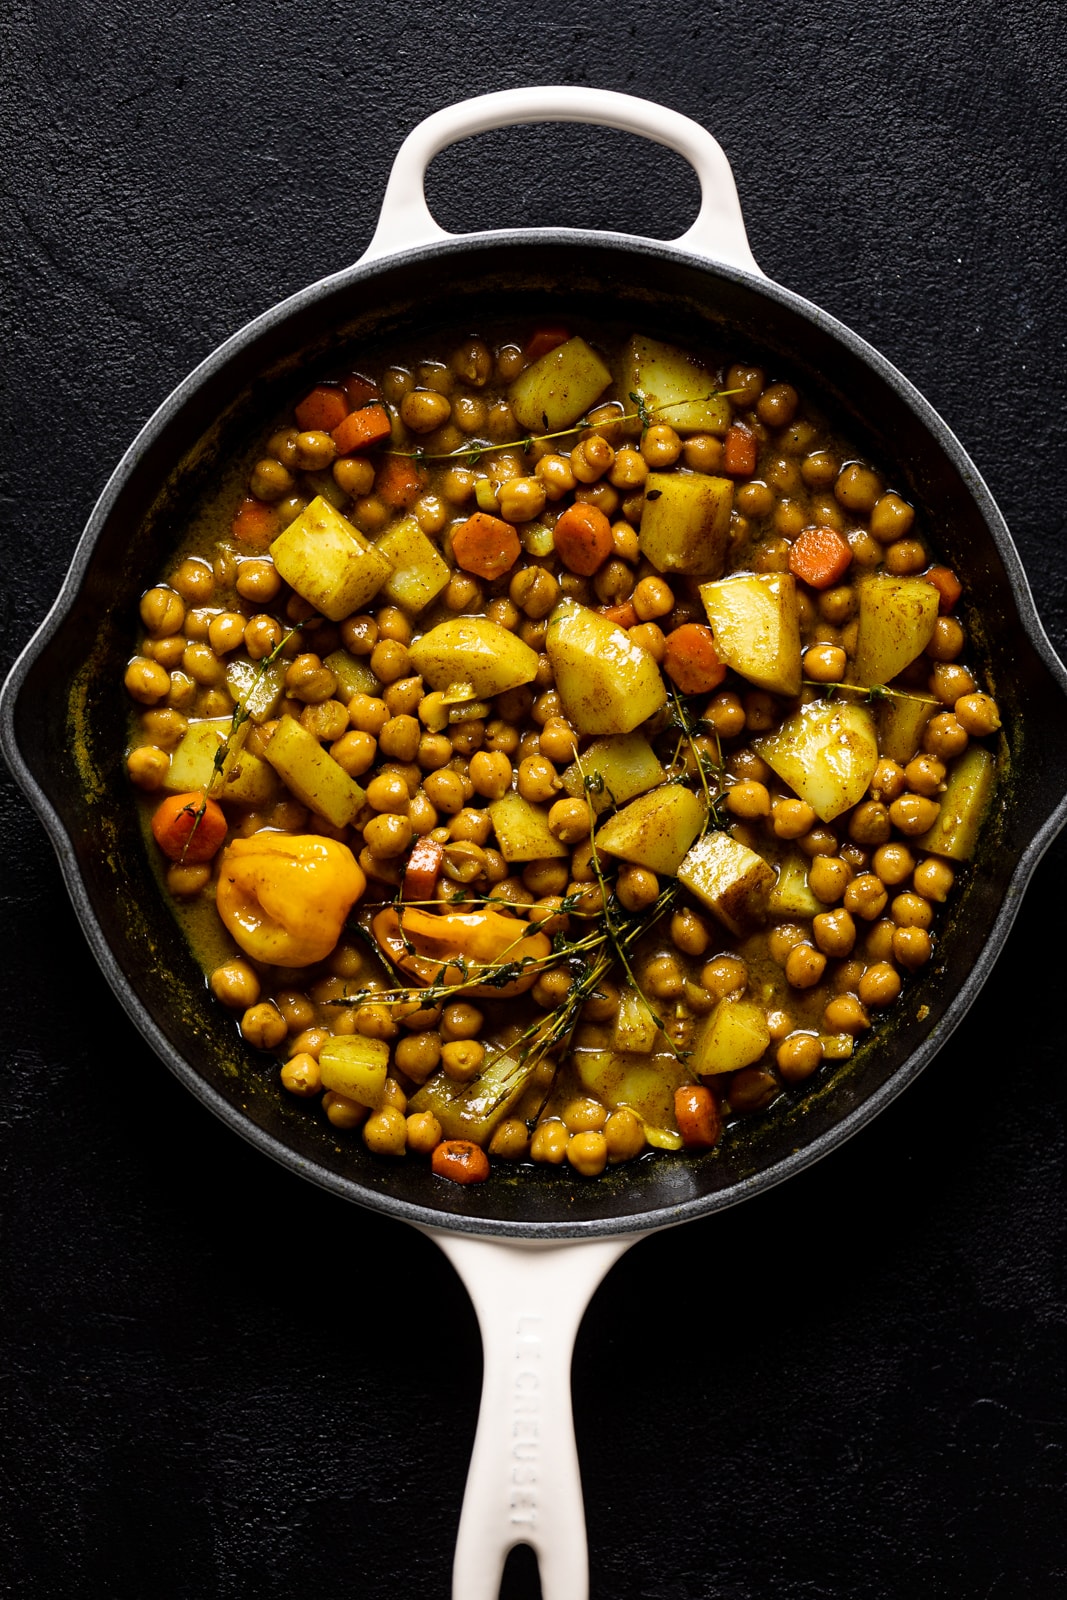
(567, 746)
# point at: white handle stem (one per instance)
(719, 228)
(524, 1485)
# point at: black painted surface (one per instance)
(220, 1382)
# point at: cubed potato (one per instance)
(254, 685)
(733, 1036)
(791, 895)
(756, 625)
(471, 651)
(419, 570)
(673, 385)
(619, 768)
(355, 1067)
(635, 1026)
(522, 830)
(826, 752)
(901, 723)
(353, 675)
(607, 684)
(656, 829)
(685, 523)
(968, 792)
(472, 1110)
(328, 561)
(730, 879)
(243, 779)
(317, 780)
(642, 1084)
(896, 622)
(555, 391)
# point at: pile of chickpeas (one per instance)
(822, 981)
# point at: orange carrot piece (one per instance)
(398, 482)
(820, 557)
(691, 660)
(189, 827)
(947, 584)
(461, 1161)
(740, 448)
(623, 615)
(544, 340)
(696, 1112)
(254, 524)
(360, 390)
(583, 538)
(360, 429)
(485, 545)
(324, 409)
(423, 869)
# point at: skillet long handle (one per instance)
(524, 1484)
(718, 230)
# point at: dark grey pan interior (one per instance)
(63, 716)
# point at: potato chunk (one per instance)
(607, 683)
(620, 768)
(732, 881)
(556, 390)
(522, 830)
(756, 625)
(472, 651)
(356, 1068)
(897, 617)
(328, 561)
(826, 752)
(733, 1036)
(317, 780)
(656, 829)
(419, 571)
(685, 522)
(668, 378)
(968, 791)
(791, 895)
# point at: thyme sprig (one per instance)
(872, 693)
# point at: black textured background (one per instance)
(217, 1382)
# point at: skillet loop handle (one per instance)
(718, 231)
(524, 1486)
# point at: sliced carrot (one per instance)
(623, 615)
(820, 557)
(583, 538)
(947, 584)
(696, 1112)
(690, 659)
(423, 869)
(461, 1161)
(740, 448)
(254, 524)
(360, 390)
(485, 545)
(324, 409)
(543, 340)
(189, 827)
(398, 482)
(360, 429)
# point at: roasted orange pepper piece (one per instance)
(285, 897)
(455, 946)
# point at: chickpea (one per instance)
(977, 714)
(387, 835)
(947, 640)
(911, 911)
(370, 514)
(913, 814)
(146, 681)
(385, 1131)
(549, 1143)
(569, 821)
(147, 767)
(624, 1136)
(828, 878)
(933, 879)
(690, 932)
(262, 635)
(748, 799)
(752, 1089)
(588, 1153)
(522, 499)
(235, 984)
(912, 947)
(423, 410)
(461, 1020)
(354, 475)
(804, 966)
(761, 713)
(791, 818)
(263, 1026)
(870, 823)
(891, 518)
(538, 780)
(834, 932)
(162, 611)
(857, 487)
(755, 499)
(777, 405)
(424, 1132)
(546, 877)
(893, 863)
(308, 680)
(270, 480)
(636, 887)
(660, 446)
(558, 741)
(888, 781)
(652, 598)
(866, 896)
(845, 1014)
(301, 1076)
(602, 1004)
(837, 605)
(798, 1056)
(166, 652)
(591, 458)
(418, 1055)
(445, 790)
(945, 736)
(724, 975)
(726, 714)
(461, 1059)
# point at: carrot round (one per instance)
(623, 615)
(543, 340)
(820, 557)
(369, 425)
(360, 390)
(696, 1112)
(485, 545)
(461, 1161)
(423, 869)
(189, 827)
(254, 524)
(398, 482)
(740, 448)
(690, 659)
(324, 409)
(948, 586)
(583, 538)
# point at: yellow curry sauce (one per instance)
(559, 746)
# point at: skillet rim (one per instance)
(349, 1188)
